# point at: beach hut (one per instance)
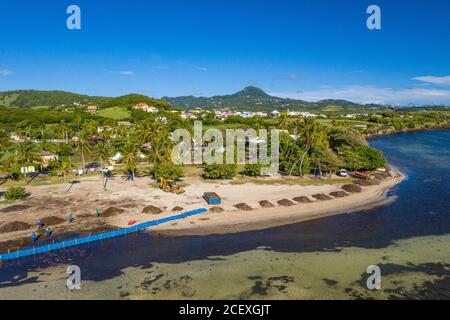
(212, 198)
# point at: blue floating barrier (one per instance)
(92, 238)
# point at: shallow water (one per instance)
(327, 258)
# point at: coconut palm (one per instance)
(90, 126)
(130, 158)
(64, 130)
(102, 152)
(283, 120)
(26, 152)
(148, 130)
(310, 134)
(65, 168)
(160, 150)
(5, 141)
(83, 147)
(7, 161)
(106, 134)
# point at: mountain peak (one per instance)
(251, 92)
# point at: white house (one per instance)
(116, 157)
(47, 157)
(247, 114)
(188, 115)
(145, 107)
(275, 113)
(308, 115)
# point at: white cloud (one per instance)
(434, 80)
(122, 72)
(201, 68)
(5, 72)
(373, 94)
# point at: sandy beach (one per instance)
(124, 201)
(234, 220)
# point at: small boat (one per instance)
(132, 222)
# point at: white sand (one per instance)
(233, 220)
(132, 197)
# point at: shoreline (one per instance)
(434, 128)
(131, 203)
(266, 218)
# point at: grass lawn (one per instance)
(331, 108)
(115, 113)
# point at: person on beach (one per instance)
(48, 232)
(39, 224)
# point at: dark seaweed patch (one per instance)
(259, 289)
(330, 282)
(279, 283)
(430, 289)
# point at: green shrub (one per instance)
(169, 171)
(15, 193)
(340, 136)
(361, 158)
(219, 171)
(253, 170)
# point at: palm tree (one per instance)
(7, 161)
(308, 131)
(102, 152)
(23, 131)
(283, 120)
(106, 134)
(26, 152)
(65, 168)
(148, 130)
(90, 126)
(130, 159)
(64, 130)
(82, 146)
(5, 141)
(160, 150)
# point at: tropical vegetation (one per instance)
(141, 145)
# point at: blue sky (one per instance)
(301, 49)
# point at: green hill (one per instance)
(255, 99)
(250, 99)
(131, 100)
(36, 98)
